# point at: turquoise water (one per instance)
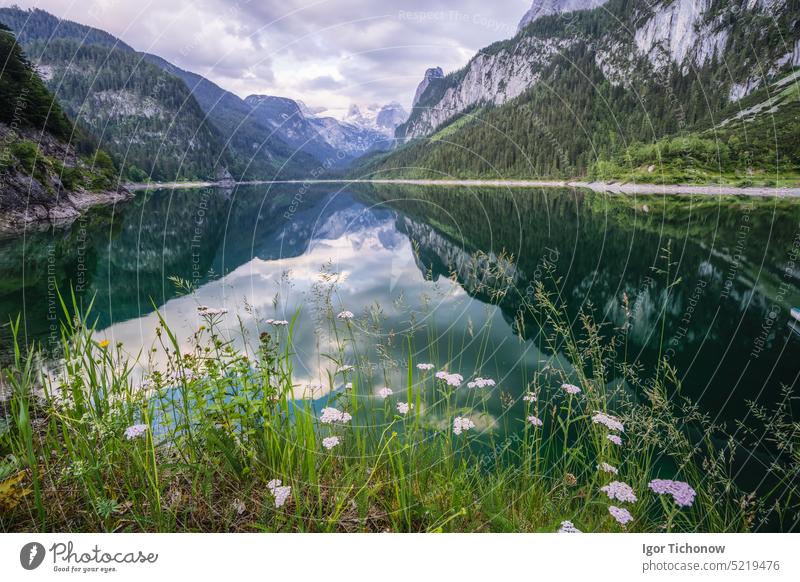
(451, 264)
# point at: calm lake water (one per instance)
(417, 257)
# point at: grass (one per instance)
(225, 417)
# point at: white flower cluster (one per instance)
(610, 422)
(135, 431)
(568, 527)
(345, 315)
(462, 423)
(535, 420)
(344, 369)
(330, 442)
(453, 380)
(385, 392)
(529, 397)
(211, 311)
(424, 367)
(404, 407)
(606, 468)
(481, 383)
(619, 490)
(570, 389)
(278, 322)
(331, 415)
(279, 491)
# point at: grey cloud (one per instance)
(379, 49)
(323, 82)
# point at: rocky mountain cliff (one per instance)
(541, 8)
(626, 70)
(432, 75)
(652, 39)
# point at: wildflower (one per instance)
(211, 311)
(614, 439)
(481, 383)
(281, 495)
(454, 380)
(315, 387)
(330, 442)
(343, 369)
(606, 468)
(535, 420)
(619, 491)
(570, 389)
(424, 367)
(385, 392)
(529, 397)
(568, 527)
(278, 322)
(461, 423)
(331, 415)
(238, 506)
(103, 344)
(348, 386)
(279, 491)
(621, 514)
(135, 431)
(404, 407)
(345, 315)
(610, 422)
(682, 493)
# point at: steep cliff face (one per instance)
(541, 8)
(492, 78)
(432, 75)
(631, 42)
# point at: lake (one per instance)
(448, 265)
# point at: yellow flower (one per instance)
(103, 344)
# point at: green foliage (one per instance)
(754, 143)
(124, 101)
(217, 425)
(578, 121)
(164, 123)
(104, 173)
(28, 155)
(24, 100)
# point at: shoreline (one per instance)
(74, 204)
(607, 187)
(61, 213)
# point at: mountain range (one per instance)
(659, 90)
(686, 90)
(136, 104)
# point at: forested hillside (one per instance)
(142, 111)
(42, 176)
(570, 93)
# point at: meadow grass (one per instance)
(223, 439)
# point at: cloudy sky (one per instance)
(329, 53)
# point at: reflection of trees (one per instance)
(608, 246)
(124, 256)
